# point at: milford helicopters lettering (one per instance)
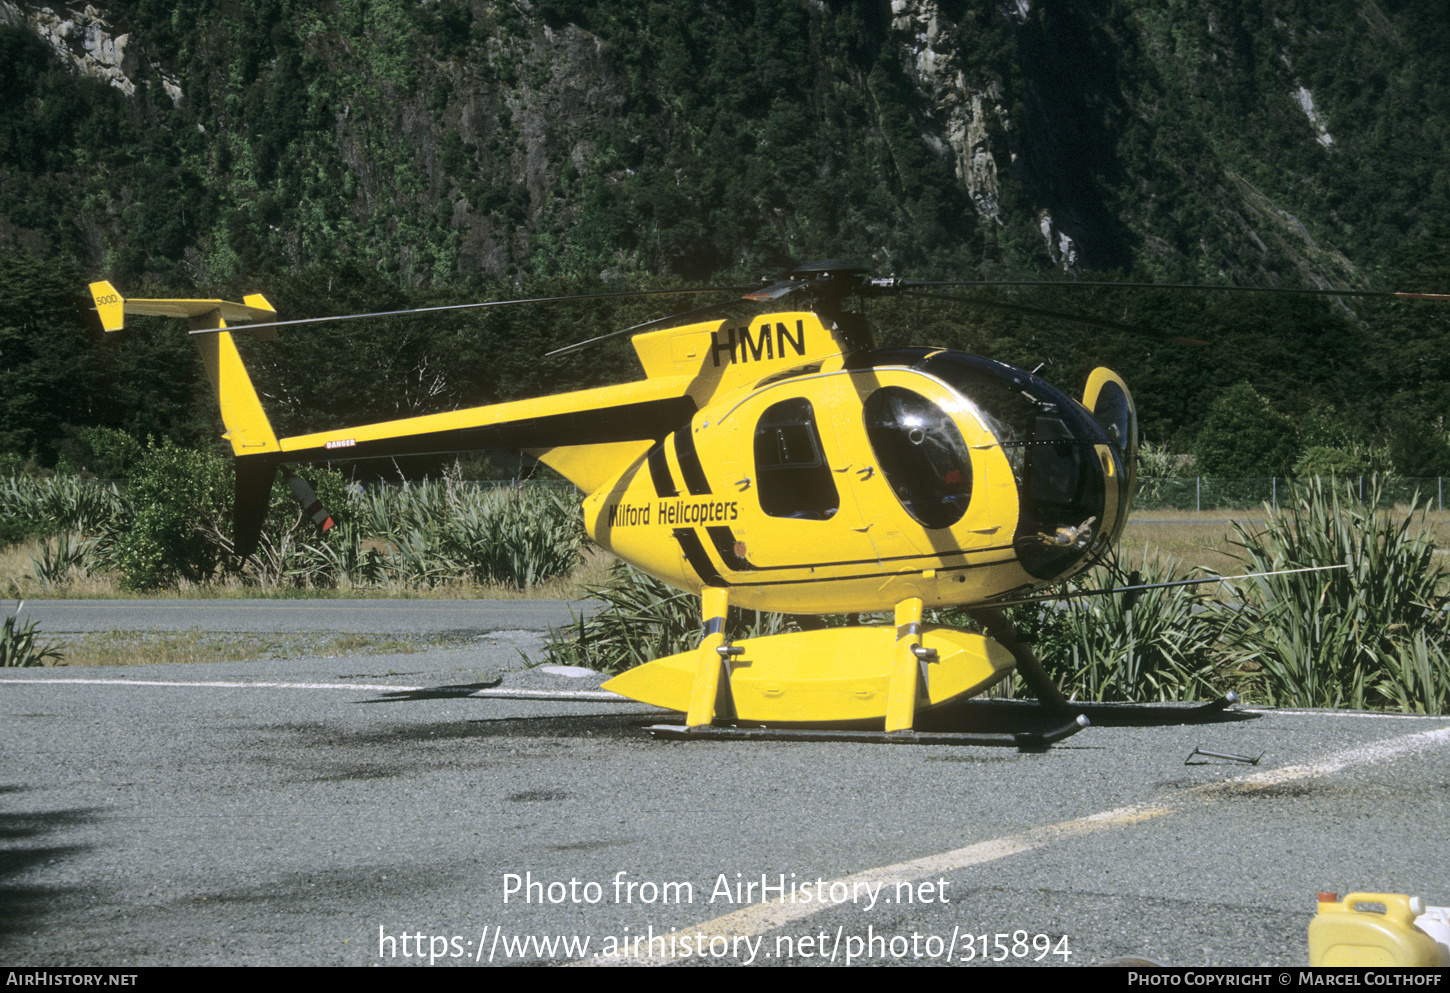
(778, 462)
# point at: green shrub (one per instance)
(1342, 460)
(14, 530)
(182, 500)
(108, 453)
(1242, 435)
(18, 648)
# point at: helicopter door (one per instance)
(793, 478)
(1106, 396)
(780, 451)
(926, 475)
(921, 452)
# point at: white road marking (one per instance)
(601, 696)
(761, 917)
(218, 683)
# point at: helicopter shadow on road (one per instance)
(978, 720)
(1019, 716)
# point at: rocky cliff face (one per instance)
(462, 140)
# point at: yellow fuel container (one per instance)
(1354, 932)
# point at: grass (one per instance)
(128, 648)
(1377, 635)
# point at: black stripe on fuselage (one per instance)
(648, 420)
(724, 541)
(699, 561)
(659, 472)
(704, 566)
(689, 460)
(894, 558)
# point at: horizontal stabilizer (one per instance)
(112, 307)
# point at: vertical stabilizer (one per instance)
(247, 428)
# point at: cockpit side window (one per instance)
(794, 479)
(922, 454)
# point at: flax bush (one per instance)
(446, 530)
(1370, 634)
(643, 619)
(41, 507)
(519, 537)
(18, 647)
(62, 559)
(1159, 647)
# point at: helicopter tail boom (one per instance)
(590, 436)
(587, 435)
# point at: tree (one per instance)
(46, 368)
(1418, 446)
(1244, 436)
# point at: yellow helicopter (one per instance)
(778, 461)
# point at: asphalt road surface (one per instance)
(363, 810)
(428, 617)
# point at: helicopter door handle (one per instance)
(743, 484)
(866, 473)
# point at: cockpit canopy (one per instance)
(1054, 446)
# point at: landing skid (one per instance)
(807, 685)
(1027, 741)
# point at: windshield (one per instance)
(1048, 439)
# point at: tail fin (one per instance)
(109, 305)
(252, 439)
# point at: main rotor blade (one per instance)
(1069, 283)
(660, 322)
(770, 293)
(486, 303)
(1017, 308)
(784, 288)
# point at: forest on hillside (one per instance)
(376, 154)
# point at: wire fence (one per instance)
(1218, 493)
